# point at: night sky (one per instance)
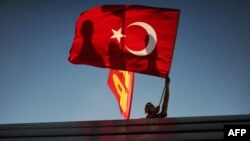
(209, 73)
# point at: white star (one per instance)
(117, 34)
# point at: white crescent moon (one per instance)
(151, 42)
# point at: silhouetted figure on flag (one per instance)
(152, 111)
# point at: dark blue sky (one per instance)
(209, 74)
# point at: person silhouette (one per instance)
(152, 111)
(88, 53)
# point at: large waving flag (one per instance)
(126, 37)
(121, 84)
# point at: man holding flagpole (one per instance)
(152, 111)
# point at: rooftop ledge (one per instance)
(171, 129)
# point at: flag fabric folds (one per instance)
(121, 84)
(126, 37)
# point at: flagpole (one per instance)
(131, 94)
(163, 92)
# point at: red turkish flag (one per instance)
(121, 84)
(126, 37)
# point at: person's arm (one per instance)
(166, 98)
